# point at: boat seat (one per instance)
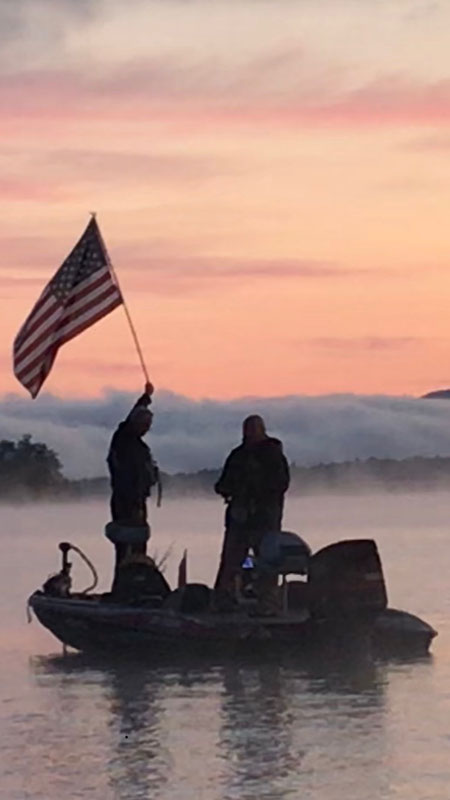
(120, 533)
(192, 598)
(285, 553)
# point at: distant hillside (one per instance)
(440, 394)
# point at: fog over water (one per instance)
(190, 435)
(77, 727)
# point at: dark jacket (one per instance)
(132, 469)
(255, 475)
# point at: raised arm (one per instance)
(145, 399)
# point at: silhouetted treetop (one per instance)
(30, 465)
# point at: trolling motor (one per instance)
(59, 585)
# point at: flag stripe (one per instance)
(34, 320)
(108, 297)
(66, 332)
(40, 324)
(81, 292)
(106, 308)
(31, 375)
(88, 285)
(39, 367)
(32, 345)
(98, 292)
(56, 336)
(41, 372)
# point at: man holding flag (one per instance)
(131, 466)
(84, 290)
(133, 472)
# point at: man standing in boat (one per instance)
(253, 482)
(133, 472)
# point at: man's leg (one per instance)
(266, 584)
(120, 551)
(141, 519)
(131, 513)
(234, 551)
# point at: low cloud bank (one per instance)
(189, 435)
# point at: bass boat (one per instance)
(336, 600)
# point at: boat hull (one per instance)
(90, 625)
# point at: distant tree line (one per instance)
(32, 469)
(29, 467)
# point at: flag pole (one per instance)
(125, 307)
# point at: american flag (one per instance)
(82, 292)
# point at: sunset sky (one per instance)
(272, 179)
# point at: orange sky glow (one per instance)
(271, 179)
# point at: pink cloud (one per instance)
(180, 275)
(439, 143)
(203, 95)
(116, 165)
(66, 175)
(11, 282)
(373, 343)
(30, 252)
(29, 189)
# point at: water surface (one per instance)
(78, 727)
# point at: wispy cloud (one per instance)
(179, 275)
(410, 185)
(29, 254)
(18, 282)
(14, 189)
(18, 21)
(439, 143)
(370, 343)
(194, 266)
(138, 166)
(162, 266)
(199, 93)
(65, 175)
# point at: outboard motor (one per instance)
(346, 580)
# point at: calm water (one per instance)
(72, 727)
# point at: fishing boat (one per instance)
(333, 599)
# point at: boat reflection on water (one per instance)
(234, 729)
(281, 724)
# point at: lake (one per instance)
(76, 727)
